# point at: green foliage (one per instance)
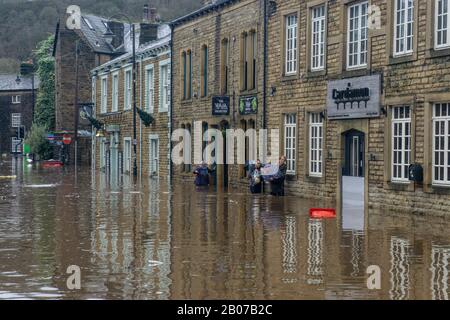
(39, 145)
(23, 23)
(45, 103)
(146, 118)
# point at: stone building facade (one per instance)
(113, 96)
(217, 80)
(360, 91)
(16, 111)
(93, 50)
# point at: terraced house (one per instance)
(113, 95)
(218, 70)
(361, 90)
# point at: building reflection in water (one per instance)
(315, 252)
(399, 271)
(357, 244)
(147, 241)
(289, 245)
(440, 257)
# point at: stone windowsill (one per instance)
(402, 59)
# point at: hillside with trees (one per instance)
(24, 23)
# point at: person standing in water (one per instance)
(255, 177)
(201, 174)
(277, 182)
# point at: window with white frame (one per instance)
(15, 99)
(115, 92)
(150, 85)
(127, 155)
(127, 89)
(104, 95)
(16, 120)
(318, 38)
(291, 44)
(102, 153)
(357, 35)
(154, 155)
(441, 144)
(403, 27)
(290, 140)
(164, 84)
(441, 36)
(315, 144)
(401, 143)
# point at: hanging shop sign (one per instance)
(221, 106)
(354, 98)
(85, 111)
(248, 105)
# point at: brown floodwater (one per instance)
(152, 241)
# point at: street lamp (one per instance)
(108, 36)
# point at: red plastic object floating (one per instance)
(320, 213)
(52, 164)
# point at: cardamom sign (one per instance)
(354, 98)
(248, 105)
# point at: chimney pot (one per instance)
(146, 16)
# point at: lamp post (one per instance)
(109, 34)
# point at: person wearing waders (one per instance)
(255, 177)
(201, 174)
(277, 182)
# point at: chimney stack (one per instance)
(153, 15)
(149, 26)
(146, 14)
(118, 29)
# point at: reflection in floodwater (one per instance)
(289, 240)
(153, 241)
(440, 257)
(315, 248)
(399, 269)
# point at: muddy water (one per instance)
(144, 242)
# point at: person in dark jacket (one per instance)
(201, 175)
(277, 182)
(255, 177)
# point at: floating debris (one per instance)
(40, 185)
(8, 177)
(154, 263)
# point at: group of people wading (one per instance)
(256, 176)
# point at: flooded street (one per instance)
(150, 242)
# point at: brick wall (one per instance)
(7, 108)
(417, 81)
(210, 29)
(124, 118)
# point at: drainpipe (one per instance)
(264, 124)
(140, 120)
(171, 106)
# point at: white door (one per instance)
(154, 156)
(353, 182)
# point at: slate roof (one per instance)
(8, 83)
(93, 28)
(164, 37)
(202, 11)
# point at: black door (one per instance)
(354, 154)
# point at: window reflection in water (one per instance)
(357, 243)
(399, 272)
(289, 244)
(440, 257)
(315, 251)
